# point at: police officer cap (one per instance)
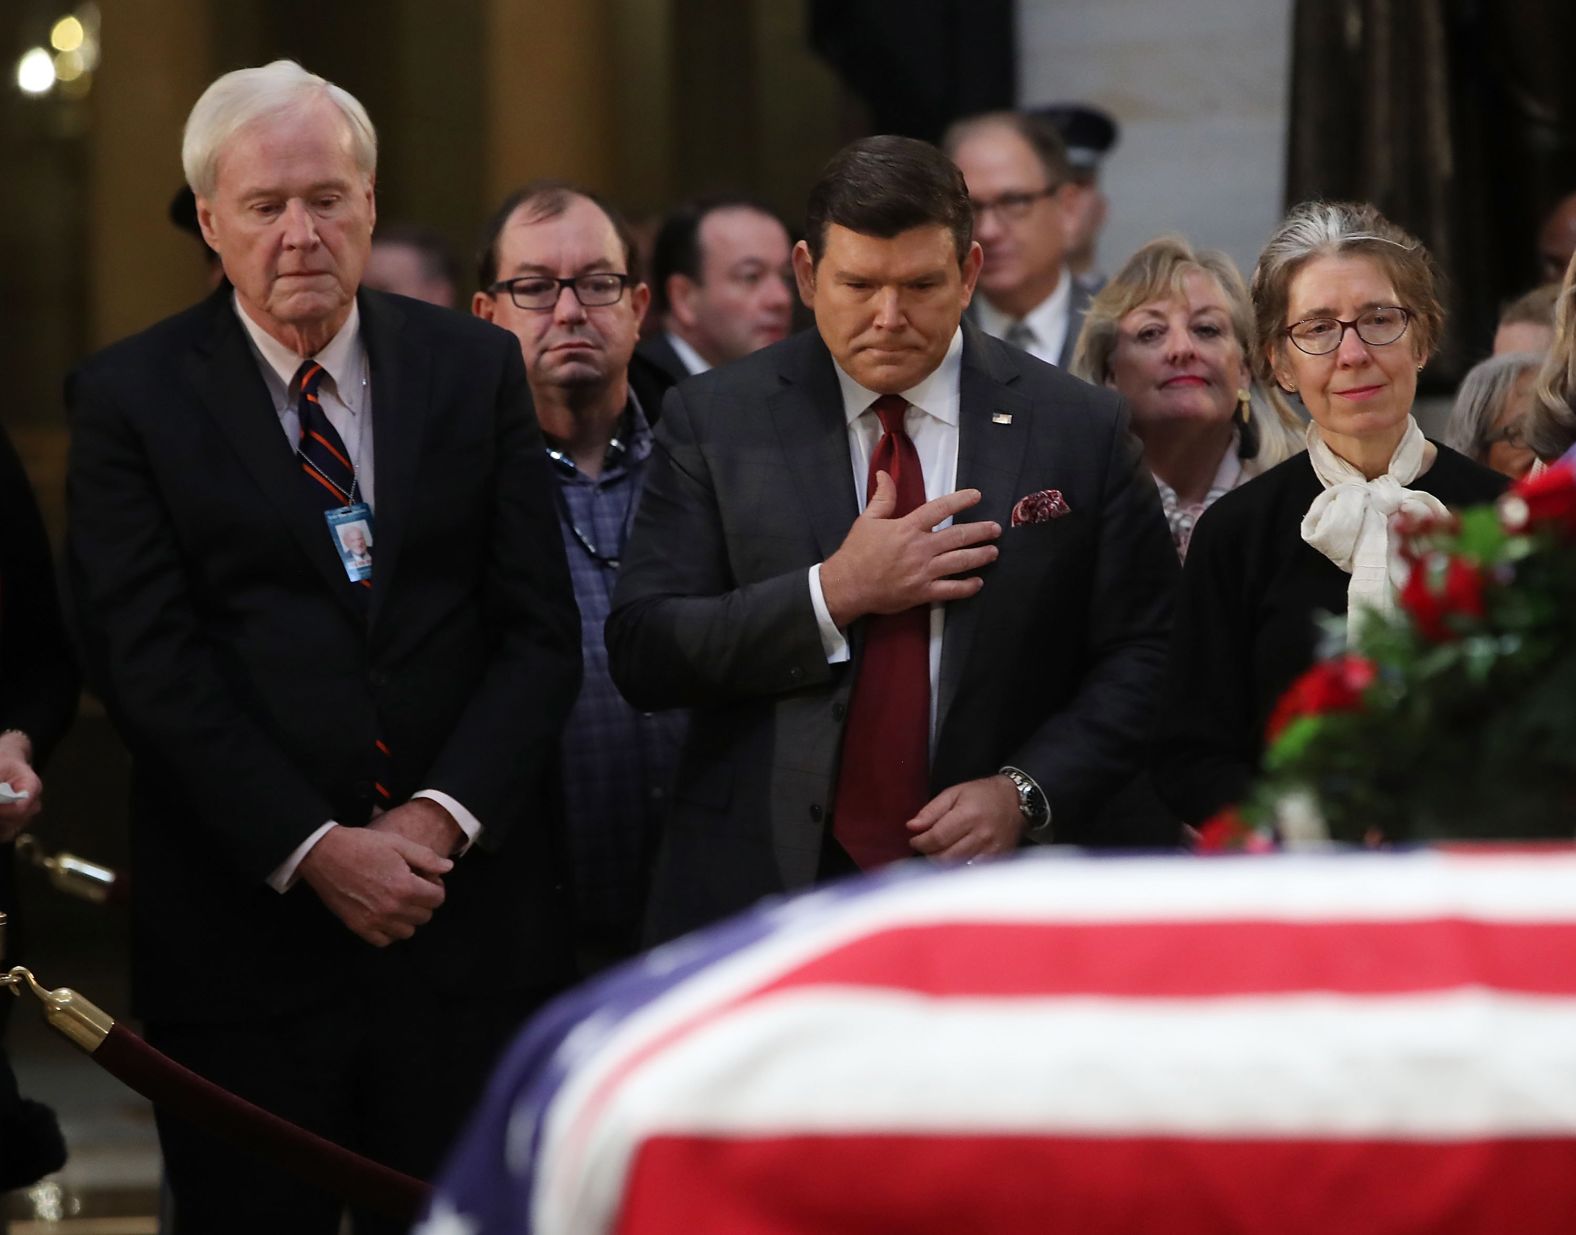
(1088, 132)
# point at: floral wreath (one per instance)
(1453, 719)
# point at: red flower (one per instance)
(1330, 686)
(1416, 532)
(1224, 831)
(1548, 499)
(1228, 832)
(1459, 594)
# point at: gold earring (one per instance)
(1244, 404)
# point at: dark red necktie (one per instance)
(884, 777)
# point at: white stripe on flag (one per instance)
(1528, 887)
(1467, 1064)
(1461, 1065)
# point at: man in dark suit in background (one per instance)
(721, 284)
(865, 687)
(347, 885)
(1022, 190)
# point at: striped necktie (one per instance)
(322, 453)
(326, 464)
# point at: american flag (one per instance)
(1359, 1043)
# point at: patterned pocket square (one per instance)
(1040, 507)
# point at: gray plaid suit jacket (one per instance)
(1053, 667)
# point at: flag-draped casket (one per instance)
(1361, 1043)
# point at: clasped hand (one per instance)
(381, 881)
(887, 564)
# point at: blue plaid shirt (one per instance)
(618, 763)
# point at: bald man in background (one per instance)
(721, 284)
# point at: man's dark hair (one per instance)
(437, 259)
(547, 199)
(1043, 138)
(677, 247)
(884, 186)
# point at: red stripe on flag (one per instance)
(1500, 848)
(1189, 960)
(1154, 960)
(1014, 1185)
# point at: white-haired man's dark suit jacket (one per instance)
(219, 627)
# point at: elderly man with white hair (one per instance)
(347, 887)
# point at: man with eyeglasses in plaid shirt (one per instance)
(559, 271)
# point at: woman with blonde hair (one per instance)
(1346, 312)
(1549, 427)
(1170, 331)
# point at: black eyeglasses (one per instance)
(539, 291)
(1012, 206)
(1377, 327)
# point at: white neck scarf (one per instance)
(1350, 521)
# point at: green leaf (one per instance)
(1293, 742)
(1481, 537)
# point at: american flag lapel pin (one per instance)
(1001, 418)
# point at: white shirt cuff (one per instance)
(468, 823)
(284, 875)
(832, 641)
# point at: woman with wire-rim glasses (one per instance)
(1346, 314)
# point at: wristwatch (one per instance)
(1031, 801)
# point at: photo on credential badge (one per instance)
(352, 528)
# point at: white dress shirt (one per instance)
(932, 425)
(346, 400)
(1047, 323)
(688, 356)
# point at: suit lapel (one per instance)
(223, 371)
(813, 431)
(993, 437)
(400, 377)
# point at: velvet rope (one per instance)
(359, 1181)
